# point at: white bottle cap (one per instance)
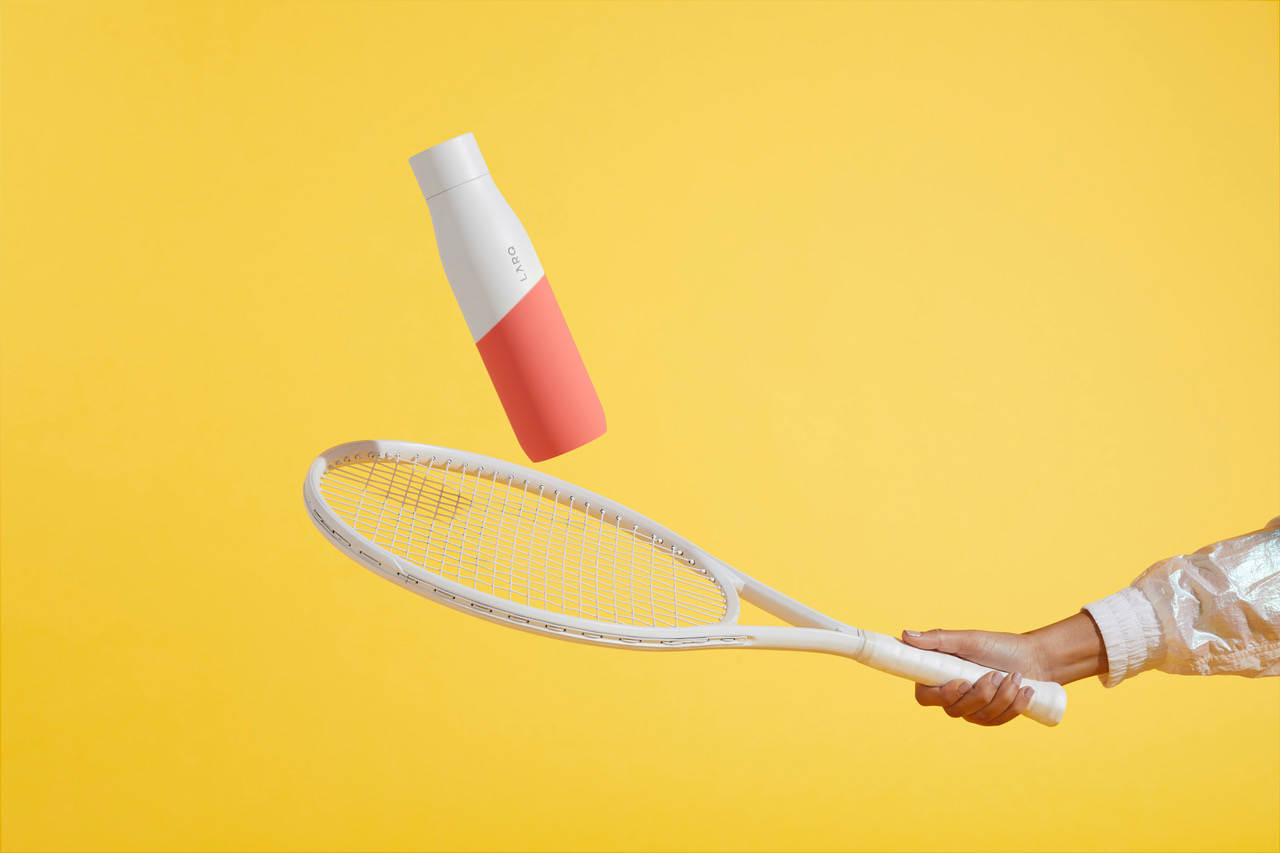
(444, 166)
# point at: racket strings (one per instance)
(522, 543)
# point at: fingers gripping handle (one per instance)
(932, 668)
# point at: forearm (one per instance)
(1070, 650)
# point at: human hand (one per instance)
(995, 698)
(1065, 651)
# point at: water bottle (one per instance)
(510, 310)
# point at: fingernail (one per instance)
(963, 688)
(1028, 692)
(999, 677)
(912, 633)
(1017, 679)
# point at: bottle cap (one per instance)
(444, 166)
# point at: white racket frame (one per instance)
(813, 631)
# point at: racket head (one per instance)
(514, 546)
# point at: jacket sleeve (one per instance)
(1214, 612)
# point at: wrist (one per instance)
(1070, 650)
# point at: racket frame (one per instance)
(476, 602)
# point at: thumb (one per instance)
(961, 643)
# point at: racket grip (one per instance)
(886, 654)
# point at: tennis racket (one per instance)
(514, 546)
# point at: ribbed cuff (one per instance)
(1130, 632)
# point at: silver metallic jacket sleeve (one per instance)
(1214, 612)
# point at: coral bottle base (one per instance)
(540, 377)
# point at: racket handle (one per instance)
(933, 669)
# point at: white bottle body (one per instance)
(486, 253)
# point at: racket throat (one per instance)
(784, 607)
(849, 644)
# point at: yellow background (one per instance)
(937, 314)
